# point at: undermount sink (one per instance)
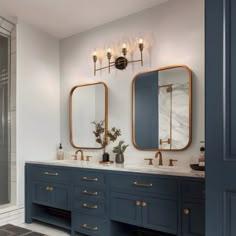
(152, 168)
(69, 161)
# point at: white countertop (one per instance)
(165, 170)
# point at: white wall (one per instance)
(173, 33)
(38, 108)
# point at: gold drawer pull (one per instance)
(85, 205)
(52, 174)
(186, 211)
(138, 203)
(85, 226)
(142, 185)
(90, 193)
(144, 204)
(89, 179)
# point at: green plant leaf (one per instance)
(124, 148)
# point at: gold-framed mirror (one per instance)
(162, 109)
(88, 103)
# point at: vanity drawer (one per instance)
(92, 179)
(155, 185)
(90, 208)
(89, 193)
(193, 189)
(51, 173)
(89, 225)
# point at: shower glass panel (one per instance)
(4, 138)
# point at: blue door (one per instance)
(220, 117)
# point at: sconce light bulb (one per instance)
(141, 41)
(94, 53)
(124, 45)
(109, 50)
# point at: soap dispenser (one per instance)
(201, 160)
(60, 153)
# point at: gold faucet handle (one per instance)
(171, 162)
(75, 157)
(150, 161)
(88, 158)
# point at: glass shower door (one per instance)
(4, 130)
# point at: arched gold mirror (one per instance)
(162, 109)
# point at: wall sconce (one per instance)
(121, 62)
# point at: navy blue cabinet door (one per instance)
(220, 117)
(60, 194)
(51, 194)
(41, 193)
(160, 214)
(193, 219)
(126, 208)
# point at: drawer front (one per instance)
(49, 173)
(193, 189)
(89, 193)
(89, 225)
(41, 193)
(90, 208)
(126, 208)
(154, 185)
(160, 215)
(89, 178)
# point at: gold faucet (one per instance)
(82, 154)
(159, 154)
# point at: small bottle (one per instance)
(201, 160)
(60, 153)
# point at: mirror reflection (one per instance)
(162, 109)
(88, 103)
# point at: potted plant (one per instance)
(99, 133)
(119, 150)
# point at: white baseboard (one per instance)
(12, 215)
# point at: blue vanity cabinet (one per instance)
(145, 200)
(193, 208)
(50, 187)
(89, 213)
(104, 203)
(51, 194)
(48, 194)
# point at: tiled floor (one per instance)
(12, 230)
(45, 229)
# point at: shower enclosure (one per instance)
(6, 28)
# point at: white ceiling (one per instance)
(63, 18)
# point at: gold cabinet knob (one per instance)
(138, 203)
(186, 211)
(47, 188)
(144, 204)
(51, 188)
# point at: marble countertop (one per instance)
(164, 170)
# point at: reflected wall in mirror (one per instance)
(88, 103)
(162, 109)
